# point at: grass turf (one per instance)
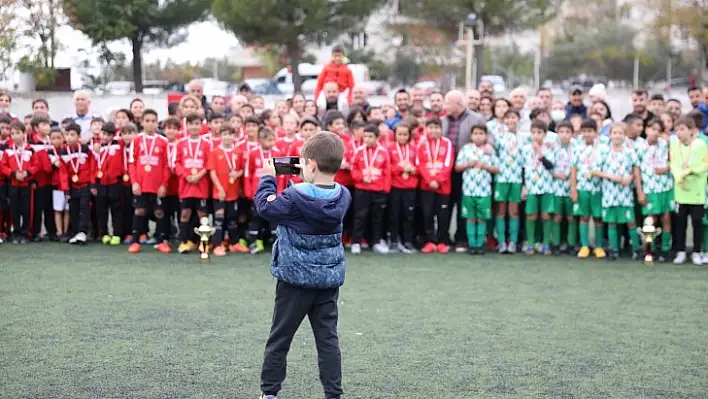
(95, 322)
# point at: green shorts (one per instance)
(658, 204)
(477, 207)
(705, 216)
(589, 204)
(539, 203)
(507, 192)
(618, 215)
(562, 206)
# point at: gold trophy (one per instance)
(204, 231)
(648, 234)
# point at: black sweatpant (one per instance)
(436, 207)
(366, 202)
(228, 220)
(79, 199)
(170, 209)
(126, 208)
(20, 210)
(43, 209)
(292, 304)
(401, 211)
(460, 236)
(695, 213)
(108, 201)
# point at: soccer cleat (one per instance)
(473, 251)
(613, 256)
(356, 249)
(23, 241)
(128, 239)
(635, 255)
(461, 249)
(600, 253)
(220, 251)
(364, 244)
(185, 248)
(584, 253)
(443, 248)
(501, 248)
(547, 251)
(264, 396)
(238, 248)
(256, 247)
(2, 241)
(511, 248)
(134, 248)
(697, 258)
(243, 242)
(80, 238)
(106, 239)
(680, 258)
(115, 241)
(705, 258)
(381, 248)
(429, 248)
(260, 244)
(406, 248)
(143, 239)
(530, 250)
(164, 247)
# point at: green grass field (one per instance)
(95, 322)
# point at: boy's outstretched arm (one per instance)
(271, 206)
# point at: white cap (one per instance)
(599, 91)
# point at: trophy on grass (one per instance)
(648, 233)
(204, 231)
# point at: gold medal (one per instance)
(148, 168)
(232, 180)
(195, 171)
(99, 174)
(405, 176)
(75, 178)
(433, 172)
(126, 178)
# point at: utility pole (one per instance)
(471, 66)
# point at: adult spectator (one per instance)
(218, 104)
(457, 125)
(537, 103)
(486, 89)
(575, 105)
(597, 93)
(82, 102)
(361, 98)
(196, 88)
(417, 101)
(546, 96)
(5, 103)
(245, 90)
(518, 102)
(236, 103)
(673, 106)
(473, 98)
(640, 100)
(403, 102)
(437, 106)
(41, 106)
(699, 101)
(331, 100)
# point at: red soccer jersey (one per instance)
(213, 141)
(253, 170)
(40, 145)
(54, 155)
(148, 163)
(127, 157)
(401, 155)
(16, 159)
(374, 163)
(109, 164)
(284, 143)
(78, 167)
(173, 182)
(435, 159)
(192, 158)
(344, 176)
(183, 129)
(225, 161)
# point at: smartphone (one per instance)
(287, 166)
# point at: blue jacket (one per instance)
(308, 250)
(570, 110)
(703, 107)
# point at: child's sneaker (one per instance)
(79, 238)
(547, 251)
(530, 250)
(501, 248)
(600, 253)
(584, 253)
(143, 239)
(134, 248)
(243, 242)
(429, 248)
(705, 258)
(238, 248)
(220, 251)
(128, 239)
(185, 248)
(406, 248)
(256, 247)
(164, 247)
(613, 256)
(381, 248)
(106, 239)
(364, 244)
(680, 258)
(511, 248)
(264, 396)
(443, 248)
(356, 249)
(115, 241)
(538, 247)
(697, 258)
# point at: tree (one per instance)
(43, 20)
(292, 24)
(142, 22)
(498, 17)
(9, 35)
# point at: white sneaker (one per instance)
(356, 249)
(705, 258)
(381, 248)
(79, 238)
(501, 248)
(697, 258)
(264, 396)
(2, 241)
(680, 258)
(512, 248)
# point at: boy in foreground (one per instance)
(308, 260)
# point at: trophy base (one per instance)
(648, 260)
(204, 257)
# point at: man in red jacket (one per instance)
(336, 71)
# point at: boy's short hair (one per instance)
(309, 120)
(150, 111)
(697, 116)
(75, 127)
(631, 118)
(569, 126)
(97, 119)
(17, 125)
(67, 121)
(337, 49)
(109, 127)
(252, 120)
(325, 148)
(433, 121)
(479, 127)
(171, 122)
(585, 124)
(332, 116)
(656, 97)
(540, 125)
(619, 125)
(686, 121)
(248, 106)
(373, 129)
(56, 129)
(536, 112)
(127, 112)
(172, 108)
(37, 119)
(693, 88)
(372, 108)
(237, 116)
(265, 132)
(375, 121)
(216, 115)
(193, 116)
(512, 111)
(5, 118)
(130, 128)
(227, 128)
(657, 121)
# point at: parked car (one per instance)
(263, 86)
(427, 86)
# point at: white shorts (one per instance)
(59, 201)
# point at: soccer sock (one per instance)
(501, 227)
(547, 230)
(585, 234)
(137, 227)
(556, 233)
(634, 238)
(481, 233)
(531, 232)
(539, 230)
(218, 236)
(184, 231)
(573, 233)
(600, 235)
(666, 241)
(613, 237)
(514, 230)
(471, 234)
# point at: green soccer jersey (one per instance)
(537, 179)
(583, 159)
(655, 156)
(476, 182)
(564, 156)
(619, 163)
(508, 148)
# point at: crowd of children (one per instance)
(543, 189)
